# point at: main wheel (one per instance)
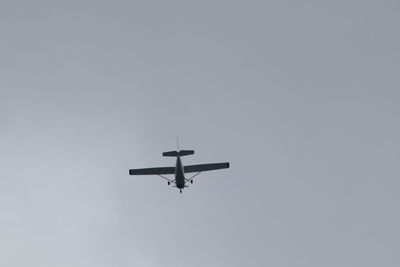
(169, 183)
(191, 181)
(180, 190)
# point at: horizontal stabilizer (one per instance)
(180, 153)
(206, 167)
(152, 171)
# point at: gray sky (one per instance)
(302, 97)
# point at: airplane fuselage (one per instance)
(179, 174)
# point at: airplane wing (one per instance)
(152, 171)
(205, 167)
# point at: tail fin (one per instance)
(180, 153)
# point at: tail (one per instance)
(179, 153)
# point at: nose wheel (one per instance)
(180, 190)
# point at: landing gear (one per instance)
(191, 181)
(180, 190)
(169, 183)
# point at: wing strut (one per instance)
(169, 180)
(191, 178)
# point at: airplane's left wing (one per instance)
(206, 167)
(152, 171)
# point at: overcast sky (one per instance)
(301, 97)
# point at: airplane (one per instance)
(179, 170)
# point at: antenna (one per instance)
(177, 143)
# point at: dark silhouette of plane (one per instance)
(179, 170)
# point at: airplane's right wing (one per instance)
(152, 171)
(206, 167)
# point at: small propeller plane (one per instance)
(179, 170)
